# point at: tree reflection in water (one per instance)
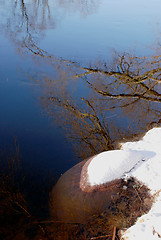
(101, 105)
(84, 7)
(26, 21)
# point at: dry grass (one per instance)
(134, 200)
(16, 219)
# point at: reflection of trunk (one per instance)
(27, 21)
(28, 41)
(24, 13)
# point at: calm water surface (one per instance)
(58, 116)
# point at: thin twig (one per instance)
(114, 233)
(23, 208)
(100, 237)
(138, 195)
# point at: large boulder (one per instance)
(70, 204)
(91, 186)
(95, 185)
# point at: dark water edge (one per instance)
(24, 210)
(25, 206)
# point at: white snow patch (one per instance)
(149, 172)
(111, 165)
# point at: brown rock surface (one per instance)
(70, 204)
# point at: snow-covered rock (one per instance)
(68, 203)
(140, 160)
(111, 165)
(100, 177)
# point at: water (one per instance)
(58, 117)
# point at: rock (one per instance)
(69, 203)
(94, 185)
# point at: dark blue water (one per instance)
(43, 46)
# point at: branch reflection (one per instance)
(100, 105)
